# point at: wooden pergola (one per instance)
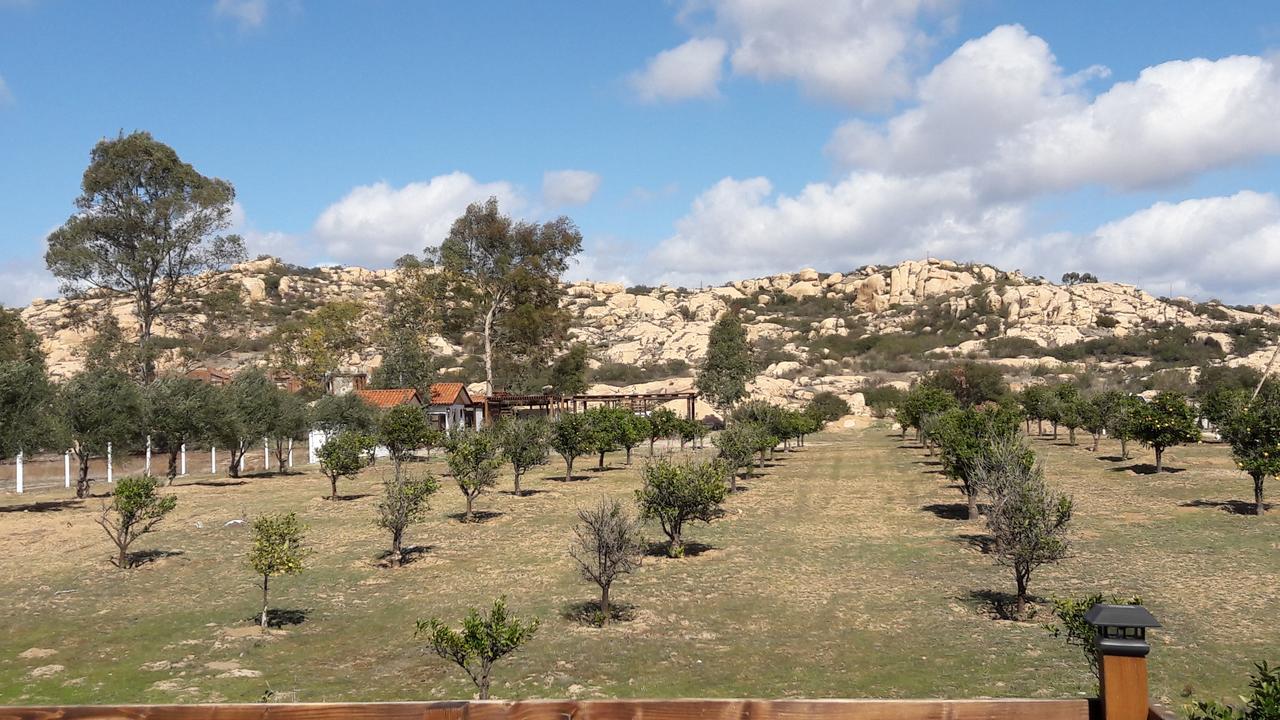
(500, 405)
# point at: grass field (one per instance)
(842, 571)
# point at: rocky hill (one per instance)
(813, 331)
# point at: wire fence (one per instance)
(52, 470)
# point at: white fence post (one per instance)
(213, 460)
(183, 451)
(109, 478)
(66, 469)
(146, 468)
(266, 455)
(244, 452)
(19, 471)
(290, 453)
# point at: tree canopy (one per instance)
(722, 378)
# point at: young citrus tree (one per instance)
(277, 550)
(474, 460)
(677, 493)
(135, 509)
(483, 640)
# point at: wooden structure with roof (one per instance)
(500, 405)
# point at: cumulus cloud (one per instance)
(690, 70)
(848, 51)
(375, 224)
(569, 187)
(740, 228)
(247, 14)
(1002, 106)
(1227, 247)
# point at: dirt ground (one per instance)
(842, 570)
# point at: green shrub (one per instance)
(882, 398)
(1009, 347)
(1106, 321)
(1263, 702)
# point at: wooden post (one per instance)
(18, 476)
(1122, 646)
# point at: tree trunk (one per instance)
(733, 481)
(1124, 449)
(1097, 438)
(651, 440)
(488, 350)
(122, 560)
(517, 486)
(146, 315)
(604, 605)
(1039, 426)
(265, 580)
(601, 459)
(468, 517)
(1022, 595)
(333, 488)
(397, 539)
(972, 496)
(1028, 426)
(1055, 430)
(568, 469)
(1259, 508)
(1159, 460)
(82, 484)
(483, 686)
(629, 453)
(1071, 436)
(173, 465)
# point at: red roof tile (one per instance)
(448, 393)
(389, 398)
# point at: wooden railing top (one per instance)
(1001, 709)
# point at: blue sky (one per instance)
(707, 140)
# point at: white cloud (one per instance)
(1003, 107)
(6, 97)
(1227, 247)
(740, 228)
(569, 187)
(247, 14)
(690, 70)
(375, 224)
(24, 279)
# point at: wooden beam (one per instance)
(581, 710)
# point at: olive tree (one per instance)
(963, 434)
(344, 455)
(100, 408)
(146, 225)
(474, 458)
(571, 437)
(333, 414)
(277, 550)
(1167, 420)
(676, 493)
(524, 443)
(607, 543)
(135, 509)
(247, 411)
(1027, 519)
(483, 640)
(403, 503)
(179, 411)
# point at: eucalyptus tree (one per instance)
(147, 225)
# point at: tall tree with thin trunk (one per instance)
(724, 374)
(607, 543)
(147, 225)
(495, 269)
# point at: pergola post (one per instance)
(1122, 646)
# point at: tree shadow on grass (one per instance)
(146, 557)
(999, 605)
(572, 478)
(1146, 469)
(927, 462)
(477, 517)
(587, 612)
(984, 544)
(691, 549)
(1234, 507)
(950, 511)
(524, 492)
(407, 555)
(220, 483)
(1112, 458)
(283, 617)
(348, 498)
(43, 506)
